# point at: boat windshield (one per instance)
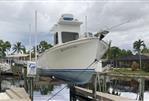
(56, 38)
(69, 36)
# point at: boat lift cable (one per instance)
(120, 24)
(95, 61)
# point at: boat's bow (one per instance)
(71, 61)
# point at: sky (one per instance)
(17, 15)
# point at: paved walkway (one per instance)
(14, 94)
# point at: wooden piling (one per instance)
(94, 88)
(25, 79)
(31, 88)
(0, 81)
(104, 84)
(141, 89)
(28, 84)
(72, 93)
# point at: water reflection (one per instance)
(45, 91)
(62, 96)
(41, 92)
(6, 84)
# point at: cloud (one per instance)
(107, 14)
(16, 16)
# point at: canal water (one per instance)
(61, 96)
(44, 93)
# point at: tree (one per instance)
(19, 48)
(44, 46)
(115, 52)
(2, 53)
(4, 47)
(145, 50)
(7, 46)
(33, 50)
(137, 47)
(129, 52)
(125, 53)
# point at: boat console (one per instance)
(67, 29)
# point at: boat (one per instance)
(73, 56)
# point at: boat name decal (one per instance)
(70, 47)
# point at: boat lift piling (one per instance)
(99, 84)
(141, 89)
(0, 82)
(94, 88)
(99, 90)
(72, 93)
(141, 80)
(28, 84)
(29, 75)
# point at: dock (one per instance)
(79, 91)
(99, 81)
(14, 94)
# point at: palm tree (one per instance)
(1, 48)
(7, 46)
(18, 48)
(4, 47)
(137, 47)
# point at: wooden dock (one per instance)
(14, 94)
(99, 95)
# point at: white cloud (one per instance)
(15, 17)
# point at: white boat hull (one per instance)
(73, 57)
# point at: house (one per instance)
(19, 60)
(127, 60)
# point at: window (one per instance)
(56, 38)
(67, 18)
(69, 36)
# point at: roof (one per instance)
(146, 54)
(17, 55)
(133, 57)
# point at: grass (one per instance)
(128, 71)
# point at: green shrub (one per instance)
(145, 67)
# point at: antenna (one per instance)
(35, 35)
(30, 57)
(86, 24)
